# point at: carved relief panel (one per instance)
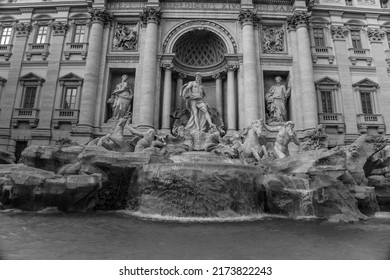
(125, 37)
(273, 39)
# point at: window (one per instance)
(42, 35)
(319, 38)
(69, 101)
(326, 99)
(365, 97)
(6, 36)
(79, 34)
(29, 97)
(356, 39)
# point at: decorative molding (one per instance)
(327, 82)
(150, 15)
(100, 15)
(31, 77)
(199, 24)
(338, 32)
(375, 35)
(248, 16)
(71, 78)
(299, 18)
(366, 83)
(59, 28)
(22, 29)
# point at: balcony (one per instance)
(322, 52)
(41, 49)
(370, 120)
(332, 120)
(76, 48)
(25, 115)
(6, 51)
(65, 116)
(360, 54)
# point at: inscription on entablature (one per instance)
(200, 6)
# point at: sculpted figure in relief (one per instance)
(193, 93)
(125, 38)
(276, 99)
(285, 135)
(121, 99)
(273, 39)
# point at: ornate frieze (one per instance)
(273, 39)
(375, 35)
(22, 29)
(99, 15)
(150, 14)
(298, 18)
(338, 32)
(248, 16)
(126, 37)
(59, 28)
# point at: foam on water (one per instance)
(158, 217)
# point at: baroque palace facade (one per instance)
(60, 62)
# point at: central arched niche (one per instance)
(199, 48)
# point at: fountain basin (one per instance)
(198, 189)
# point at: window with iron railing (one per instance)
(326, 99)
(29, 97)
(365, 97)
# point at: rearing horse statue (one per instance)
(254, 142)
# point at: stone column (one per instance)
(248, 18)
(218, 93)
(299, 21)
(381, 97)
(43, 132)
(22, 30)
(179, 101)
(99, 18)
(167, 98)
(151, 18)
(231, 99)
(339, 33)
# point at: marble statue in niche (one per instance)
(273, 39)
(121, 99)
(125, 37)
(276, 100)
(193, 93)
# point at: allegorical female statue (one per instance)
(276, 99)
(121, 99)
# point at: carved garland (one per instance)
(199, 23)
(298, 18)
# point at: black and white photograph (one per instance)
(195, 130)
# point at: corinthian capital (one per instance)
(22, 29)
(248, 16)
(375, 35)
(59, 28)
(338, 32)
(298, 18)
(99, 15)
(150, 14)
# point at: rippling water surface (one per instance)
(120, 236)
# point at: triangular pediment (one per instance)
(327, 82)
(365, 83)
(31, 77)
(71, 77)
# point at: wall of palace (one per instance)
(62, 65)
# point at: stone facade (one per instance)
(60, 62)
